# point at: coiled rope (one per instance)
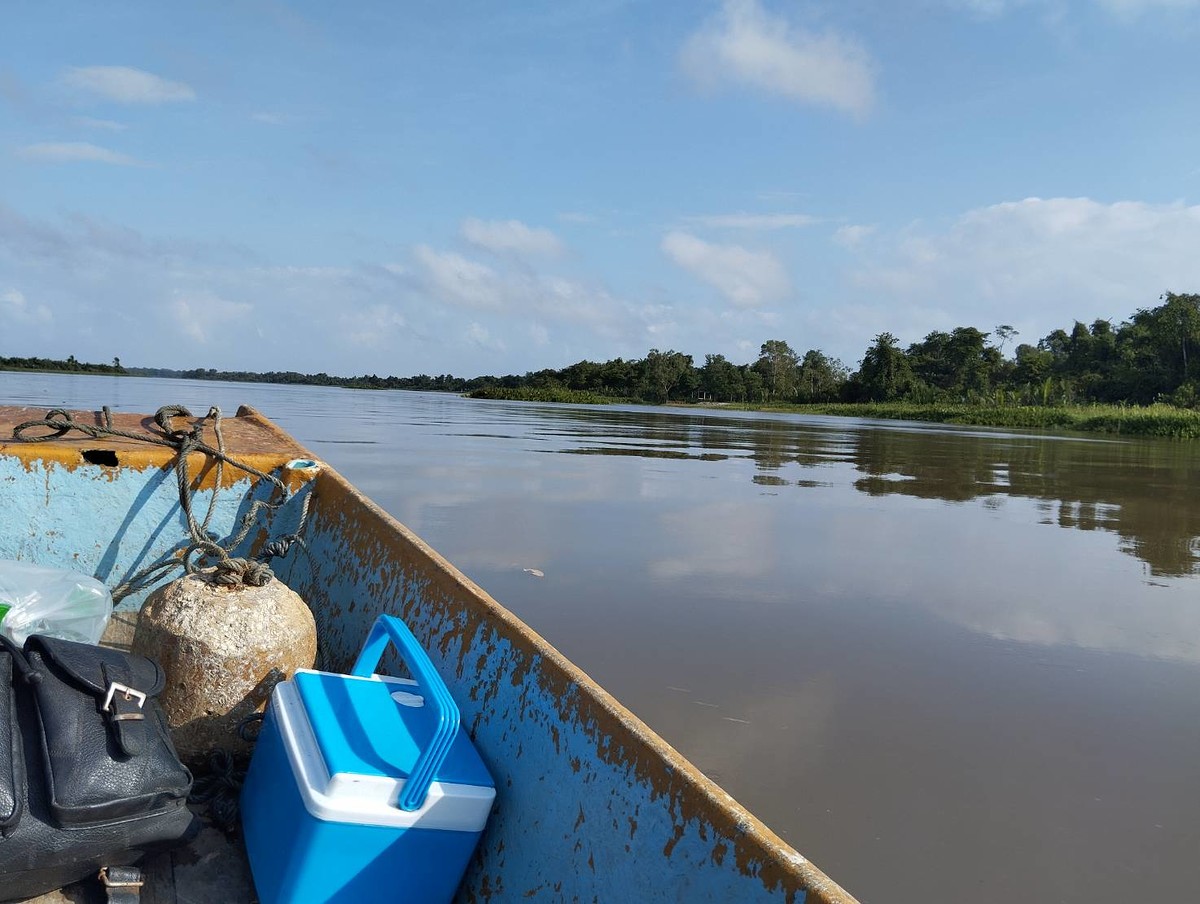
(203, 550)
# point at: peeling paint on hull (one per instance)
(591, 804)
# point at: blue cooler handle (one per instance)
(437, 697)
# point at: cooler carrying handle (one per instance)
(437, 696)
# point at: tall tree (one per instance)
(1004, 333)
(820, 377)
(663, 371)
(720, 380)
(779, 366)
(885, 373)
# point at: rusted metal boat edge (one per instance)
(263, 446)
(756, 848)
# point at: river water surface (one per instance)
(945, 664)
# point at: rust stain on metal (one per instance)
(718, 854)
(669, 847)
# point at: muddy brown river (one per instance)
(945, 664)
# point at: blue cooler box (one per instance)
(361, 787)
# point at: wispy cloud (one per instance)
(1037, 264)
(106, 125)
(1137, 7)
(14, 305)
(479, 335)
(76, 152)
(1121, 9)
(574, 216)
(753, 221)
(205, 304)
(458, 279)
(746, 45)
(126, 85)
(510, 236)
(274, 119)
(745, 277)
(372, 326)
(201, 316)
(852, 236)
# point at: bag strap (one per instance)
(120, 682)
(123, 713)
(28, 673)
(123, 884)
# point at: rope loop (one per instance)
(236, 572)
(56, 419)
(203, 545)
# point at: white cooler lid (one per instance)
(370, 798)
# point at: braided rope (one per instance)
(203, 550)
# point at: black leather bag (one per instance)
(88, 775)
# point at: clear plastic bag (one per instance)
(38, 600)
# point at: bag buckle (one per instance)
(127, 693)
(114, 882)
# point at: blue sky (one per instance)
(481, 187)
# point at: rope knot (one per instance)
(239, 572)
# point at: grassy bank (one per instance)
(1151, 420)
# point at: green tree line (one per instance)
(1154, 356)
(70, 365)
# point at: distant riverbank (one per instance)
(1126, 420)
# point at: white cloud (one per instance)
(1122, 9)
(126, 85)
(747, 45)
(1037, 264)
(273, 119)
(852, 236)
(14, 306)
(1132, 8)
(754, 221)
(510, 235)
(371, 326)
(183, 302)
(107, 125)
(747, 278)
(478, 335)
(458, 279)
(75, 152)
(203, 316)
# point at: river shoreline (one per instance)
(1160, 420)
